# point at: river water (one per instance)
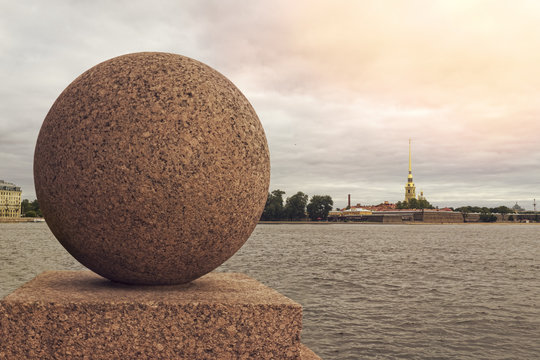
(372, 291)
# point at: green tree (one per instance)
(319, 206)
(471, 209)
(35, 206)
(273, 210)
(503, 210)
(295, 206)
(30, 213)
(414, 204)
(25, 206)
(30, 209)
(424, 204)
(487, 217)
(465, 210)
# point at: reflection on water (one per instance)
(372, 291)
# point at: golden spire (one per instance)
(410, 189)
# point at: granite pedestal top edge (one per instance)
(84, 286)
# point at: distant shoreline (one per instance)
(21, 220)
(283, 222)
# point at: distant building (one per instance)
(358, 210)
(348, 214)
(384, 206)
(10, 200)
(410, 189)
(517, 208)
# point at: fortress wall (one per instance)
(472, 217)
(392, 219)
(441, 217)
(384, 218)
(375, 218)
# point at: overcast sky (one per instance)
(339, 86)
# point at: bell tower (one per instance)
(410, 189)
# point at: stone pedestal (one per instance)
(79, 315)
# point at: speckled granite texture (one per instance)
(151, 168)
(77, 314)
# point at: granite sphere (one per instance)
(151, 168)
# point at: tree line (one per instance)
(487, 214)
(30, 208)
(486, 210)
(414, 203)
(296, 207)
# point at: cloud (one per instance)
(339, 86)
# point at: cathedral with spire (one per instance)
(410, 189)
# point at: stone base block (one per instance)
(79, 315)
